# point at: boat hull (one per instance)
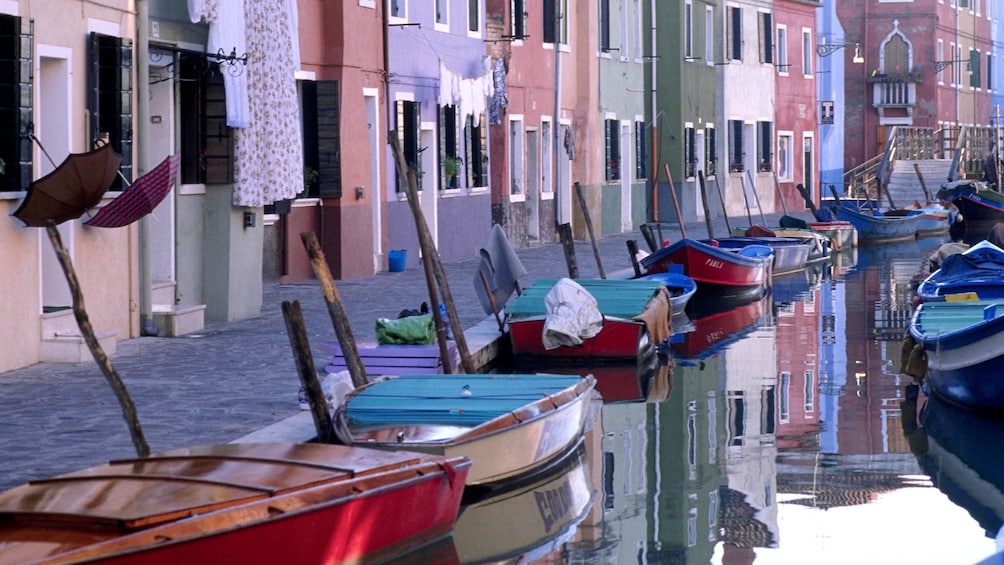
(513, 444)
(977, 273)
(790, 254)
(980, 209)
(843, 235)
(716, 271)
(880, 228)
(618, 339)
(327, 522)
(965, 359)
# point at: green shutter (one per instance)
(329, 139)
(974, 68)
(25, 97)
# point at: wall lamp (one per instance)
(827, 49)
(940, 65)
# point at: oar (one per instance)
(707, 210)
(746, 200)
(757, 198)
(721, 197)
(786, 220)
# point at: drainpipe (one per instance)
(654, 112)
(558, 203)
(142, 119)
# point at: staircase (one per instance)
(904, 185)
(62, 341)
(173, 319)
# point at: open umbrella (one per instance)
(72, 188)
(140, 198)
(75, 186)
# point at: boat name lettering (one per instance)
(554, 504)
(714, 263)
(552, 437)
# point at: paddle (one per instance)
(746, 199)
(786, 220)
(756, 197)
(676, 203)
(707, 211)
(820, 215)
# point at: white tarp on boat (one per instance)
(572, 315)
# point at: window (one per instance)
(735, 146)
(709, 35)
(450, 164)
(974, 68)
(782, 49)
(710, 151)
(941, 57)
(546, 157)
(735, 45)
(109, 97)
(555, 21)
(764, 144)
(398, 9)
(16, 42)
(990, 68)
(688, 30)
(474, 16)
(408, 116)
(516, 151)
(766, 38)
(641, 150)
(784, 157)
(689, 151)
(442, 12)
(518, 19)
(604, 26)
(808, 50)
(320, 101)
(207, 149)
(613, 150)
(475, 140)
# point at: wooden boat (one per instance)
(977, 273)
(819, 243)
(964, 345)
(636, 317)
(681, 287)
(874, 225)
(717, 271)
(790, 253)
(843, 235)
(980, 207)
(508, 425)
(536, 516)
(236, 503)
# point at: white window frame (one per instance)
(785, 163)
(547, 158)
(781, 46)
(517, 162)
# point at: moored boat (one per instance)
(507, 425)
(718, 271)
(964, 346)
(629, 318)
(681, 287)
(235, 503)
(980, 207)
(843, 235)
(977, 273)
(790, 253)
(874, 225)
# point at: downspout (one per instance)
(142, 118)
(558, 204)
(654, 113)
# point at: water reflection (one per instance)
(788, 435)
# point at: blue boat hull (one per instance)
(965, 365)
(878, 227)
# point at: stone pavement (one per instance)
(234, 378)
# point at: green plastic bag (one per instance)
(414, 330)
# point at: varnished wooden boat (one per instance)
(236, 503)
(508, 425)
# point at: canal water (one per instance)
(781, 432)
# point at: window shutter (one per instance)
(329, 169)
(25, 64)
(123, 87)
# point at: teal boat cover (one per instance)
(457, 400)
(614, 298)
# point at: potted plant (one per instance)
(451, 165)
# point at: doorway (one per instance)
(54, 132)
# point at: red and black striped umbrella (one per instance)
(140, 198)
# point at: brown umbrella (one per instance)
(74, 187)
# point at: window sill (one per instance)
(12, 194)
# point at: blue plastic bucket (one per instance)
(397, 259)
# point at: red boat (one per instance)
(236, 503)
(717, 271)
(714, 331)
(636, 317)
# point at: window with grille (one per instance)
(640, 150)
(764, 146)
(689, 151)
(16, 44)
(476, 142)
(109, 98)
(710, 151)
(736, 146)
(408, 121)
(207, 151)
(613, 150)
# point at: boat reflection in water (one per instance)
(536, 517)
(961, 451)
